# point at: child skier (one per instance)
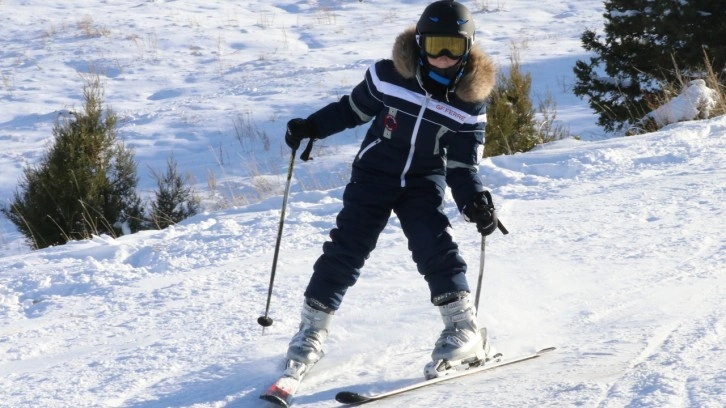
(426, 105)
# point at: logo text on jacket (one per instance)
(451, 112)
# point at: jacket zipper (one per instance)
(414, 136)
(369, 147)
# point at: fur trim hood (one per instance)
(479, 74)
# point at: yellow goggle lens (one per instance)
(451, 46)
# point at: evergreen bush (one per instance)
(175, 200)
(85, 183)
(510, 114)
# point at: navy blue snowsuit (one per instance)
(415, 147)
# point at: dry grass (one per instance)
(89, 29)
(549, 128)
(717, 82)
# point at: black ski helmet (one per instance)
(447, 18)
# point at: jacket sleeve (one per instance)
(362, 105)
(464, 153)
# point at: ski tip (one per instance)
(274, 399)
(348, 397)
(547, 350)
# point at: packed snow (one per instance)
(616, 253)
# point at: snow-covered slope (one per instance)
(616, 256)
(616, 253)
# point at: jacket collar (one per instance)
(479, 74)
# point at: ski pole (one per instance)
(266, 320)
(482, 253)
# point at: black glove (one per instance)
(297, 130)
(481, 211)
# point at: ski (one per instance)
(354, 398)
(282, 391)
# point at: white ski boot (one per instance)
(306, 346)
(461, 344)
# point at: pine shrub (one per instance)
(175, 200)
(85, 183)
(510, 114)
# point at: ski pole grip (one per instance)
(305, 156)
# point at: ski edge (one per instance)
(354, 398)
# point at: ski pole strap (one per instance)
(305, 156)
(502, 228)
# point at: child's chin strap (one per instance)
(441, 79)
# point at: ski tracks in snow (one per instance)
(680, 365)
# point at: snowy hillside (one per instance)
(616, 253)
(616, 256)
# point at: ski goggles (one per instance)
(436, 46)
